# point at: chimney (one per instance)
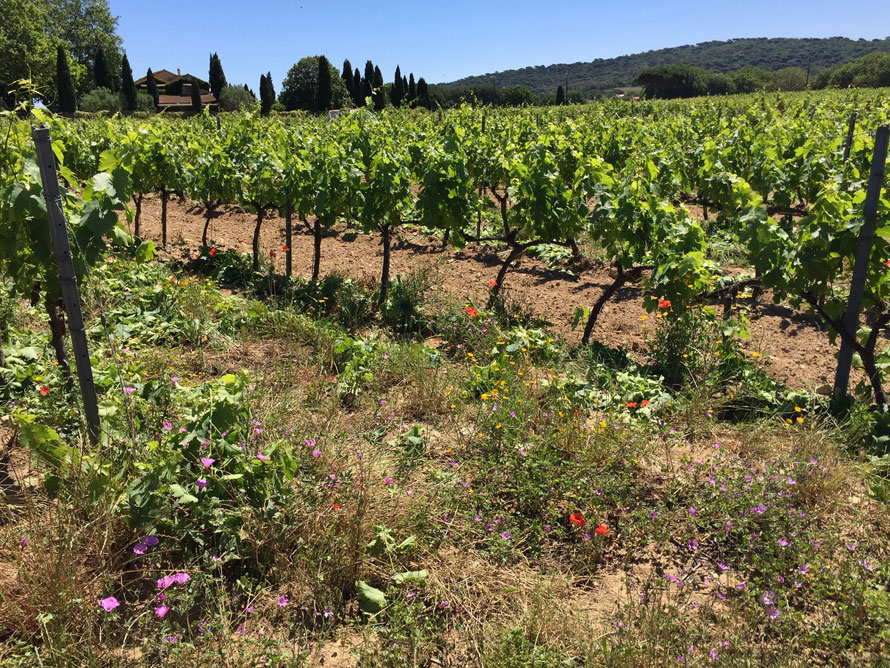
(177, 72)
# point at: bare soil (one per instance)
(792, 345)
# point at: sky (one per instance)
(444, 41)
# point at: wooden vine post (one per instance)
(860, 266)
(67, 278)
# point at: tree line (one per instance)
(682, 80)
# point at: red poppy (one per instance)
(336, 506)
(630, 404)
(212, 252)
(664, 303)
(44, 390)
(286, 249)
(577, 519)
(492, 283)
(271, 253)
(473, 313)
(602, 530)
(644, 402)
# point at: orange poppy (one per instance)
(602, 530)
(473, 313)
(664, 303)
(492, 283)
(630, 404)
(644, 402)
(44, 390)
(212, 252)
(577, 519)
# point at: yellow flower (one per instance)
(799, 420)
(797, 409)
(755, 354)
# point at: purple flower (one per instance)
(769, 599)
(388, 481)
(262, 457)
(109, 604)
(162, 610)
(309, 442)
(547, 528)
(129, 390)
(23, 543)
(174, 379)
(444, 604)
(505, 535)
(774, 613)
(714, 655)
(181, 578)
(151, 541)
(783, 543)
(804, 569)
(139, 548)
(316, 453)
(723, 567)
(201, 483)
(741, 585)
(167, 425)
(283, 600)
(207, 462)
(692, 511)
(693, 544)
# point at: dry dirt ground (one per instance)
(791, 344)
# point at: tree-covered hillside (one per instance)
(606, 73)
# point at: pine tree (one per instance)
(325, 92)
(412, 89)
(128, 87)
(357, 88)
(217, 77)
(196, 95)
(346, 75)
(560, 95)
(100, 71)
(64, 85)
(152, 86)
(396, 93)
(423, 94)
(379, 93)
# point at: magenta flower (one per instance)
(181, 578)
(505, 535)
(262, 457)
(388, 481)
(283, 600)
(207, 462)
(166, 581)
(201, 483)
(783, 543)
(129, 390)
(167, 425)
(174, 379)
(693, 544)
(109, 604)
(162, 610)
(692, 511)
(316, 453)
(23, 543)
(723, 567)
(309, 442)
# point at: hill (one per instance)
(607, 73)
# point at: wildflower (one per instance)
(336, 506)
(664, 303)
(250, 609)
(285, 249)
(444, 604)
(774, 613)
(167, 426)
(473, 313)
(109, 604)
(692, 511)
(316, 453)
(644, 403)
(212, 252)
(129, 390)
(714, 655)
(630, 404)
(181, 578)
(201, 483)
(162, 610)
(783, 543)
(174, 379)
(601, 530)
(492, 283)
(674, 579)
(283, 600)
(723, 567)
(505, 535)
(577, 519)
(310, 442)
(207, 462)
(388, 481)
(262, 457)
(44, 390)
(693, 544)
(23, 543)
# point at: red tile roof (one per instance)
(183, 100)
(165, 75)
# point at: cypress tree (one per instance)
(196, 95)
(379, 93)
(271, 88)
(560, 95)
(100, 71)
(265, 100)
(412, 89)
(396, 92)
(357, 88)
(324, 93)
(152, 86)
(216, 77)
(368, 81)
(423, 94)
(64, 85)
(346, 75)
(128, 87)
(404, 89)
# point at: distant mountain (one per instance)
(608, 73)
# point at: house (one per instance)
(175, 90)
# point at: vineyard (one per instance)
(477, 387)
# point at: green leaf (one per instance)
(146, 252)
(411, 576)
(370, 600)
(181, 495)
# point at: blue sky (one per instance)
(443, 41)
